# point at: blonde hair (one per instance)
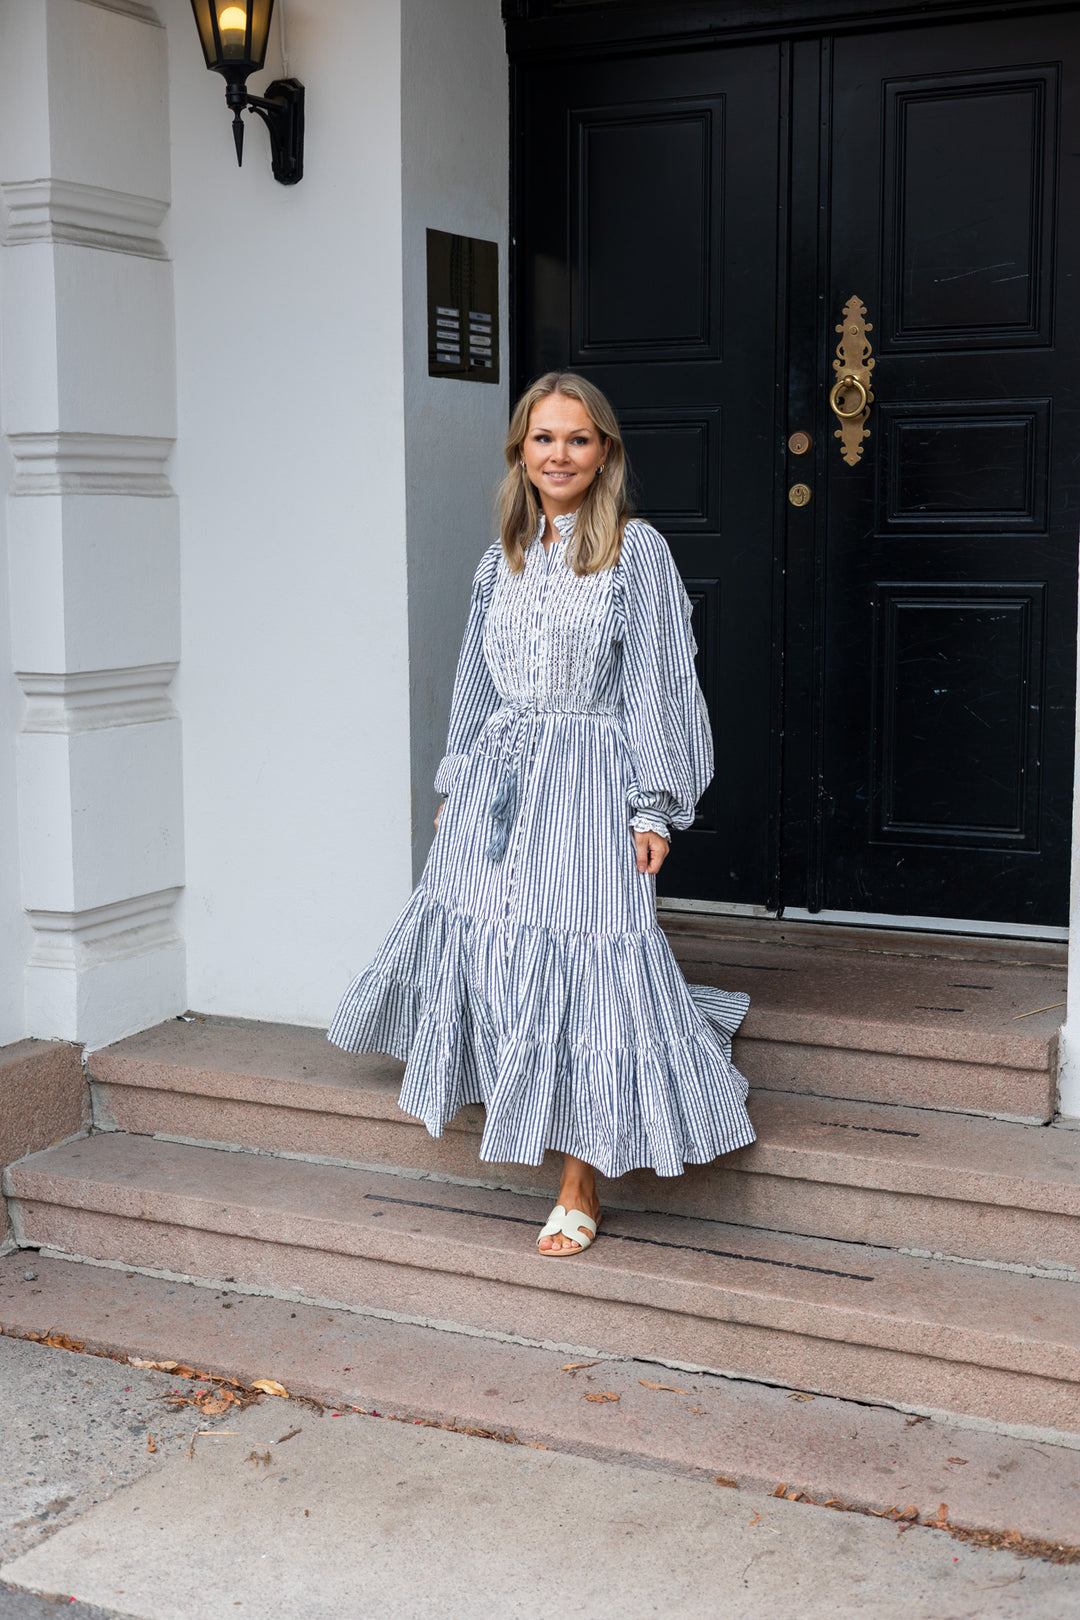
(602, 515)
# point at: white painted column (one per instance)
(86, 316)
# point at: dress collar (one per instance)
(564, 526)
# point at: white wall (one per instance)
(455, 177)
(293, 681)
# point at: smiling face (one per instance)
(562, 452)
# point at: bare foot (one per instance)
(577, 1191)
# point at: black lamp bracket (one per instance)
(282, 111)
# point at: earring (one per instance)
(600, 468)
(523, 466)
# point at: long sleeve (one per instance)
(665, 722)
(475, 697)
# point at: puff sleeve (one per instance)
(475, 697)
(665, 723)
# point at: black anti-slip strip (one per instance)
(622, 1237)
(755, 967)
(876, 1130)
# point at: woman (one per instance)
(528, 971)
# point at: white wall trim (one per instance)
(85, 939)
(86, 216)
(92, 700)
(89, 464)
(128, 8)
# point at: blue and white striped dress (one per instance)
(527, 972)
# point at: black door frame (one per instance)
(552, 30)
(546, 29)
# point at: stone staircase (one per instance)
(906, 1230)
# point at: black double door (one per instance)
(886, 621)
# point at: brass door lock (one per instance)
(800, 443)
(799, 494)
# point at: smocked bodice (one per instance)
(549, 634)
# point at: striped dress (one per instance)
(527, 971)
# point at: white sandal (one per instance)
(563, 1223)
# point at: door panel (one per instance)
(968, 197)
(951, 545)
(648, 263)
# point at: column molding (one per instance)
(97, 699)
(50, 210)
(72, 940)
(89, 464)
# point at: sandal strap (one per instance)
(568, 1223)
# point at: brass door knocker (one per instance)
(853, 366)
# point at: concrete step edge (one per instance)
(1011, 1343)
(857, 1161)
(1052, 1272)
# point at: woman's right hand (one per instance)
(438, 813)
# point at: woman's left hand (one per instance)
(652, 851)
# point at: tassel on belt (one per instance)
(514, 726)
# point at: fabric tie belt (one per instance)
(513, 728)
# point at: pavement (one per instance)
(286, 1509)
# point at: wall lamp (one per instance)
(234, 35)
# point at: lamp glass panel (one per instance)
(233, 33)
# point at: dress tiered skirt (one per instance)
(528, 972)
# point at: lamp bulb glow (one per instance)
(232, 25)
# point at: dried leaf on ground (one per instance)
(576, 1366)
(151, 1443)
(797, 1395)
(1053, 1552)
(672, 1388)
(290, 1436)
(213, 1404)
(258, 1457)
(155, 1366)
(60, 1341)
(959, 1461)
(601, 1395)
(755, 1520)
(722, 1479)
(209, 1402)
(911, 1421)
(270, 1387)
(781, 1490)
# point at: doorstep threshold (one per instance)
(695, 917)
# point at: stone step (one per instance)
(861, 1172)
(843, 1319)
(753, 1435)
(975, 1036)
